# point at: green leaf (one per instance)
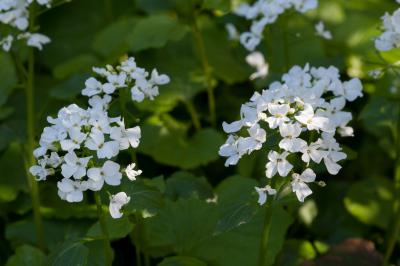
(175, 149)
(70, 253)
(27, 256)
(113, 40)
(244, 242)
(179, 226)
(221, 55)
(23, 231)
(117, 228)
(75, 65)
(175, 60)
(145, 198)
(70, 88)
(182, 261)
(8, 77)
(185, 185)
(380, 115)
(154, 32)
(235, 202)
(371, 201)
(13, 178)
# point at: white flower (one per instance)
(320, 28)
(233, 34)
(6, 43)
(92, 87)
(278, 164)
(290, 141)
(109, 173)
(299, 185)
(69, 190)
(116, 202)
(313, 122)
(126, 137)
(263, 193)
(35, 39)
(40, 172)
(256, 60)
(313, 152)
(262, 13)
(76, 138)
(278, 112)
(230, 150)
(74, 166)
(131, 173)
(105, 149)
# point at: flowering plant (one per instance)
(82, 145)
(306, 111)
(15, 14)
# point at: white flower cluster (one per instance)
(390, 38)
(15, 14)
(82, 144)
(306, 111)
(263, 13)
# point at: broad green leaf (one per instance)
(185, 185)
(112, 41)
(371, 201)
(145, 198)
(236, 203)
(182, 261)
(27, 256)
(70, 253)
(175, 149)
(380, 115)
(8, 76)
(75, 65)
(23, 231)
(177, 61)
(117, 228)
(179, 226)
(227, 64)
(72, 28)
(69, 88)
(13, 177)
(154, 32)
(241, 246)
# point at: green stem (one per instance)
(265, 234)
(394, 230)
(104, 230)
(206, 69)
(193, 114)
(138, 257)
(30, 125)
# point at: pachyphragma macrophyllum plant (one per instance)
(15, 14)
(390, 38)
(306, 111)
(80, 147)
(262, 13)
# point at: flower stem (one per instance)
(265, 234)
(394, 230)
(30, 125)
(206, 69)
(193, 114)
(103, 226)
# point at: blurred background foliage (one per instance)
(189, 209)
